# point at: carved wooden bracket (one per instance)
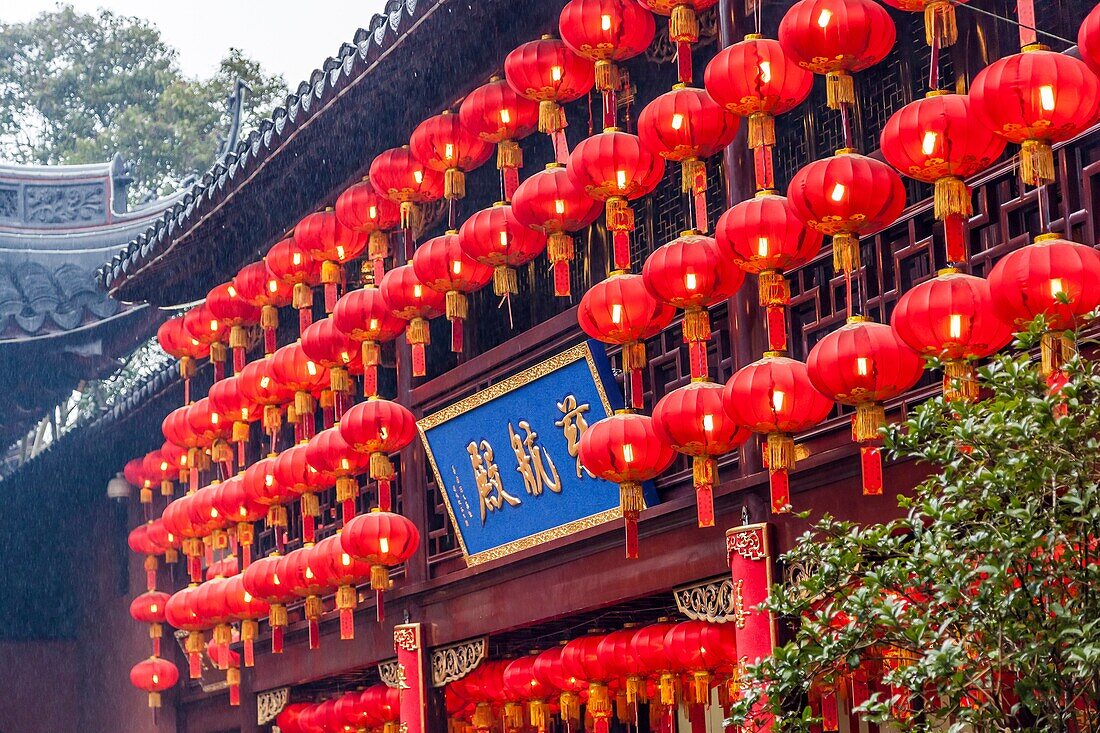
(270, 703)
(389, 672)
(712, 600)
(455, 661)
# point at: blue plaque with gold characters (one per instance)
(507, 460)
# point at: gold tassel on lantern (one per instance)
(346, 489)
(869, 418)
(276, 616)
(1056, 349)
(510, 154)
(311, 504)
(959, 381)
(372, 353)
(773, 289)
(761, 130)
(276, 516)
(381, 467)
(303, 403)
(693, 175)
(379, 577)
(238, 337)
(411, 218)
(454, 184)
(456, 306)
(538, 711)
(839, 89)
(696, 325)
(483, 716)
(624, 711)
(314, 608)
(619, 215)
(551, 117)
(940, 27)
(217, 352)
(330, 272)
(845, 252)
(1036, 162)
(607, 76)
(269, 317)
(273, 419)
(187, 367)
(635, 689)
(418, 332)
(559, 247)
(513, 716)
(302, 297)
(700, 687)
(599, 704)
(683, 24)
(569, 706)
(667, 688)
(504, 281)
(240, 432)
(378, 246)
(779, 452)
(951, 196)
(154, 699)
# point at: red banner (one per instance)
(412, 677)
(750, 558)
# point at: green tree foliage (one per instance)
(979, 610)
(77, 88)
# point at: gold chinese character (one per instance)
(490, 489)
(533, 461)
(573, 425)
(402, 677)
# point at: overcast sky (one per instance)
(289, 37)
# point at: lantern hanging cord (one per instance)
(1016, 23)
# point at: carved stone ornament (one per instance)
(269, 704)
(390, 673)
(455, 661)
(713, 601)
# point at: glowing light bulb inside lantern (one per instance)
(620, 179)
(384, 433)
(265, 382)
(213, 325)
(418, 291)
(272, 286)
(824, 18)
(194, 342)
(628, 453)
(247, 597)
(708, 423)
(345, 357)
(777, 400)
(555, 73)
(344, 464)
(156, 678)
(955, 326)
(677, 121)
(863, 366)
(297, 258)
(213, 513)
(690, 281)
(269, 479)
(311, 368)
(243, 512)
(275, 579)
(309, 572)
(616, 313)
(384, 544)
(244, 414)
(340, 252)
(928, 143)
(345, 559)
(418, 176)
(372, 212)
(765, 71)
(164, 465)
(762, 246)
(449, 151)
(374, 324)
(456, 267)
(605, 22)
(838, 192)
(559, 207)
(1056, 289)
(232, 291)
(153, 608)
(505, 117)
(504, 239)
(215, 418)
(1046, 97)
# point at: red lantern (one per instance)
(938, 140)
(651, 654)
(414, 302)
(774, 396)
(177, 518)
(229, 401)
(289, 719)
(296, 476)
(384, 705)
(247, 609)
(182, 613)
(383, 540)
(363, 209)
(443, 144)
(1054, 278)
(351, 713)
(1088, 40)
(261, 487)
(403, 179)
(177, 341)
(303, 571)
(267, 580)
(366, 317)
(148, 608)
(293, 265)
(620, 310)
(549, 672)
(134, 473)
(626, 449)
(701, 649)
(685, 126)
(227, 305)
(259, 287)
(551, 203)
(142, 543)
(616, 649)
(330, 454)
(837, 38)
(951, 317)
(342, 572)
(764, 237)
(258, 384)
(336, 351)
(689, 273)
(176, 457)
(606, 32)
(580, 658)
(844, 197)
(234, 503)
(694, 422)
(379, 427)
(756, 78)
(294, 370)
(157, 469)
(615, 167)
(441, 264)
(496, 113)
(209, 331)
(496, 238)
(548, 72)
(154, 675)
(211, 431)
(863, 364)
(683, 28)
(327, 240)
(1034, 99)
(522, 684)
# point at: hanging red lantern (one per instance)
(549, 672)
(497, 114)
(549, 202)
(224, 658)
(261, 487)
(134, 473)
(384, 704)
(351, 713)
(615, 648)
(548, 72)
(951, 317)
(379, 427)
(330, 454)
(607, 32)
(366, 317)
(1035, 99)
(522, 684)
(690, 274)
(403, 179)
(176, 457)
(178, 342)
(234, 503)
(939, 141)
(322, 236)
(177, 430)
(227, 305)
(247, 609)
(303, 572)
(443, 144)
(863, 364)
(580, 658)
(229, 401)
(411, 300)
(844, 197)
(259, 384)
(774, 396)
(653, 655)
(267, 580)
(1054, 278)
(383, 540)
(694, 422)
(756, 78)
(342, 572)
(259, 287)
(154, 675)
(289, 718)
(363, 209)
(294, 474)
(441, 264)
(336, 351)
(293, 265)
(496, 238)
(209, 331)
(700, 649)
(626, 449)
(181, 613)
(158, 469)
(616, 168)
(148, 608)
(294, 370)
(683, 28)
(211, 431)
(685, 125)
(165, 542)
(1088, 40)
(837, 38)
(140, 542)
(177, 520)
(764, 237)
(620, 310)
(940, 28)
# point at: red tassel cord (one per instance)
(380, 608)
(347, 624)
(620, 243)
(305, 319)
(562, 287)
(764, 167)
(456, 335)
(955, 238)
(385, 495)
(870, 460)
(276, 639)
(419, 360)
(683, 62)
(780, 490)
(270, 344)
